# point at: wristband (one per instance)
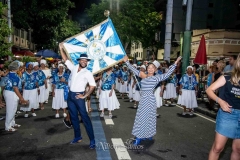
(217, 100)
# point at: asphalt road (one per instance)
(44, 137)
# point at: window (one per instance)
(210, 5)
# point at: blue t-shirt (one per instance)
(209, 79)
(107, 81)
(188, 82)
(30, 80)
(41, 78)
(56, 80)
(125, 75)
(12, 80)
(172, 79)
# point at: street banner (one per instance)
(101, 43)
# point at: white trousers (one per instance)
(11, 107)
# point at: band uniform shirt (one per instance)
(79, 80)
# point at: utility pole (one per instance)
(9, 25)
(168, 33)
(187, 37)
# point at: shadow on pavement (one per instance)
(186, 116)
(63, 151)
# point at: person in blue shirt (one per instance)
(229, 68)
(42, 83)
(137, 86)
(117, 72)
(108, 97)
(124, 81)
(30, 92)
(188, 91)
(170, 89)
(60, 86)
(12, 95)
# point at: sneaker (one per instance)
(67, 123)
(157, 115)
(57, 115)
(26, 115)
(134, 106)
(130, 100)
(64, 115)
(34, 114)
(1, 118)
(92, 144)
(166, 104)
(184, 113)
(46, 102)
(191, 113)
(102, 114)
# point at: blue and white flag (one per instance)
(101, 43)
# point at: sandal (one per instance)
(16, 126)
(135, 106)
(11, 130)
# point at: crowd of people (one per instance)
(149, 85)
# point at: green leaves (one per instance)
(135, 21)
(46, 18)
(5, 31)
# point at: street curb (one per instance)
(207, 113)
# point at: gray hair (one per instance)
(13, 66)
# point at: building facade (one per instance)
(219, 43)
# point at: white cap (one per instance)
(124, 66)
(43, 61)
(35, 64)
(143, 66)
(61, 65)
(190, 67)
(156, 64)
(135, 65)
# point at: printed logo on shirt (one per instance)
(236, 92)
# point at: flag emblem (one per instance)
(101, 43)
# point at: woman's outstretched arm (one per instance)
(133, 69)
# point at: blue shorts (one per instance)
(228, 124)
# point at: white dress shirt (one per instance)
(79, 79)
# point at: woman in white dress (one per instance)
(170, 89)
(30, 88)
(108, 97)
(188, 90)
(60, 82)
(158, 88)
(48, 74)
(123, 81)
(137, 86)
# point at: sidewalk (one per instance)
(202, 108)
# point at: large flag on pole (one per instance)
(201, 56)
(101, 43)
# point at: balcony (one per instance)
(22, 39)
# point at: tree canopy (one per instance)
(4, 33)
(135, 21)
(47, 18)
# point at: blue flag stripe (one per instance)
(76, 42)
